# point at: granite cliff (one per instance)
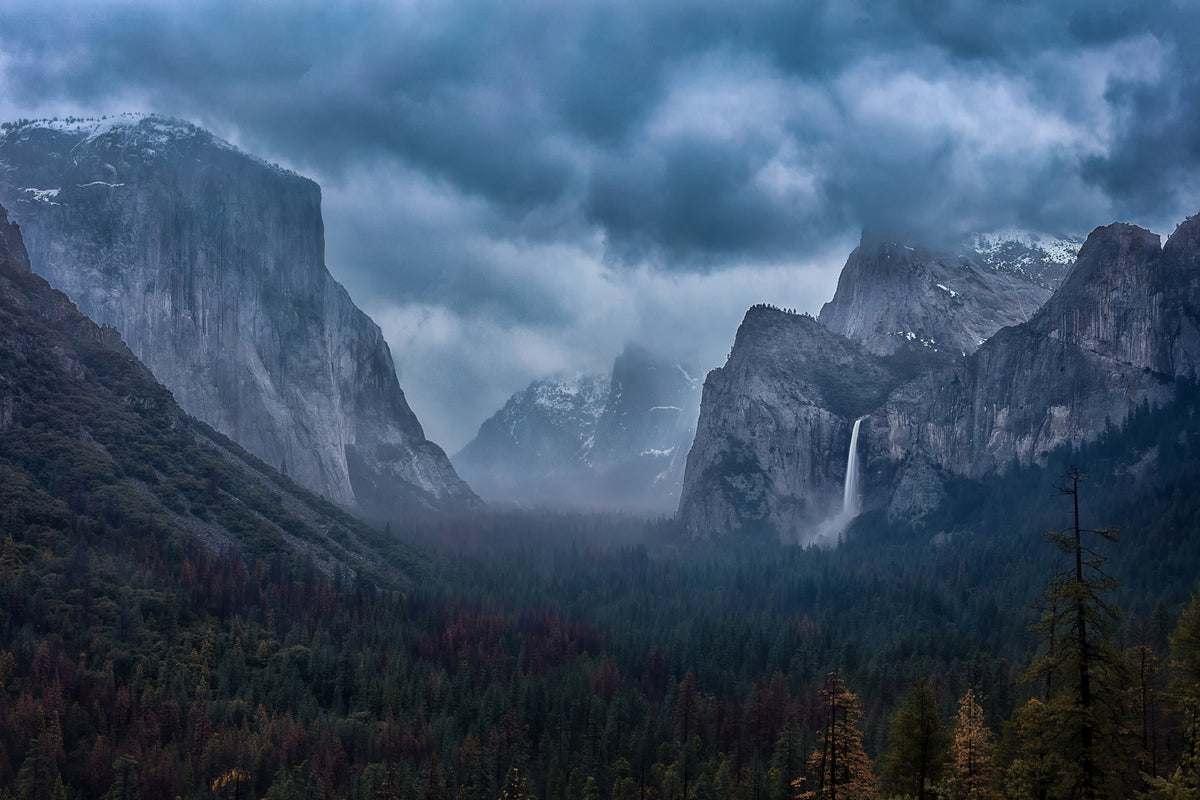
(775, 422)
(932, 304)
(211, 264)
(90, 443)
(771, 445)
(1118, 333)
(533, 451)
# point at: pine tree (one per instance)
(839, 766)
(1085, 674)
(972, 772)
(1032, 765)
(1184, 684)
(1183, 692)
(917, 744)
(1145, 701)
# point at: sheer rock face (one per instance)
(211, 264)
(900, 299)
(1118, 332)
(615, 441)
(775, 424)
(73, 396)
(772, 439)
(12, 246)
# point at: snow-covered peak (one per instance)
(1054, 249)
(149, 134)
(587, 393)
(90, 128)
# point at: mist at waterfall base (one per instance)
(830, 531)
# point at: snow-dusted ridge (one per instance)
(1059, 249)
(152, 132)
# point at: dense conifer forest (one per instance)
(300, 654)
(559, 656)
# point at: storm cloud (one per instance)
(517, 188)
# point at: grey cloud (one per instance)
(516, 187)
(537, 104)
(1154, 167)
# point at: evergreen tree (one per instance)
(1032, 765)
(1145, 700)
(1184, 685)
(839, 766)
(917, 745)
(1086, 675)
(1183, 784)
(1184, 694)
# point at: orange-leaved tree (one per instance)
(839, 766)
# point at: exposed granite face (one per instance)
(12, 246)
(932, 305)
(211, 264)
(615, 441)
(642, 439)
(1119, 331)
(775, 424)
(73, 396)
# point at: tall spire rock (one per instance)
(211, 263)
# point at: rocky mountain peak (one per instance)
(1115, 336)
(1112, 301)
(775, 426)
(211, 264)
(1184, 244)
(931, 304)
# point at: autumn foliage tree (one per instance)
(839, 766)
(972, 770)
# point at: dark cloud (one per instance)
(1153, 168)
(491, 169)
(527, 103)
(697, 200)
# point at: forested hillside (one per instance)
(177, 619)
(534, 660)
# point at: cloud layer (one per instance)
(517, 188)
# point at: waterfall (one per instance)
(851, 502)
(830, 531)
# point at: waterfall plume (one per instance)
(831, 529)
(851, 502)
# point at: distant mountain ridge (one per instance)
(771, 446)
(616, 441)
(536, 447)
(211, 264)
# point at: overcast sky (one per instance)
(517, 188)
